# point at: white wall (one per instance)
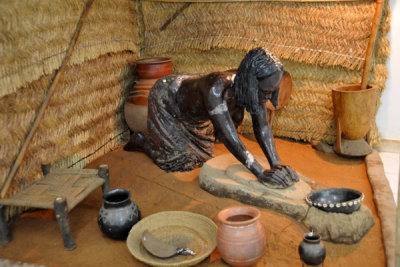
(388, 118)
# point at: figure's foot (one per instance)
(136, 142)
(217, 137)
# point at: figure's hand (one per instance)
(281, 176)
(289, 171)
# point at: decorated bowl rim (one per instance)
(329, 204)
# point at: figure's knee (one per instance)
(136, 142)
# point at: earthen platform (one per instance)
(36, 236)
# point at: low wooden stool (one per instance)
(59, 189)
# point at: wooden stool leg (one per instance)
(104, 173)
(46, 168)
(4, 233)
(61, 211)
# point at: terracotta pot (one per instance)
(354, 110)
(285, 91)
(312, 251)
(149, 71)
(154, 68)
(241, 237)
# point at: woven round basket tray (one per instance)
(179, 228)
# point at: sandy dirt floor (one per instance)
(37, 239)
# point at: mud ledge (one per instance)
(384, 202)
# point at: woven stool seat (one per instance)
(58, 189)
(73, 184)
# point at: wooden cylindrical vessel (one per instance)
(354, 110)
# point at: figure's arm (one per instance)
(264, 136)
(218, 111)
(222, 121)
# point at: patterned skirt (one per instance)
(176, 143)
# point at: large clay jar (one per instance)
(241, 237)
(149, 71)
(312, 251)
(118, 214)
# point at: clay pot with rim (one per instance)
(285, 91)
(149, 71)
(312, 251)
(118, 214)
(241, 237)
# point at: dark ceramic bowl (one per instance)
(341, 200)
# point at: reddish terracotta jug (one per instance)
(149, 71)
(241, 237)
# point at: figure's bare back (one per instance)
(193, 94)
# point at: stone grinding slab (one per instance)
(225, 176)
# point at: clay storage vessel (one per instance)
(149, 71)
(118, 214)
(312, 251)
(241, 237)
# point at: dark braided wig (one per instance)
(257, 64)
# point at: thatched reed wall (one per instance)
(322, 45)
(84, 118)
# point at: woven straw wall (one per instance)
(322, 45)
(84, 118)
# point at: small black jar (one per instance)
(118, 214)
(312, 251)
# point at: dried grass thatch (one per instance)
(111, 26)
(35, 36)
(83, 118)
(34, 39)
(323, 45)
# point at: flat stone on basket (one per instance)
(340, 227)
